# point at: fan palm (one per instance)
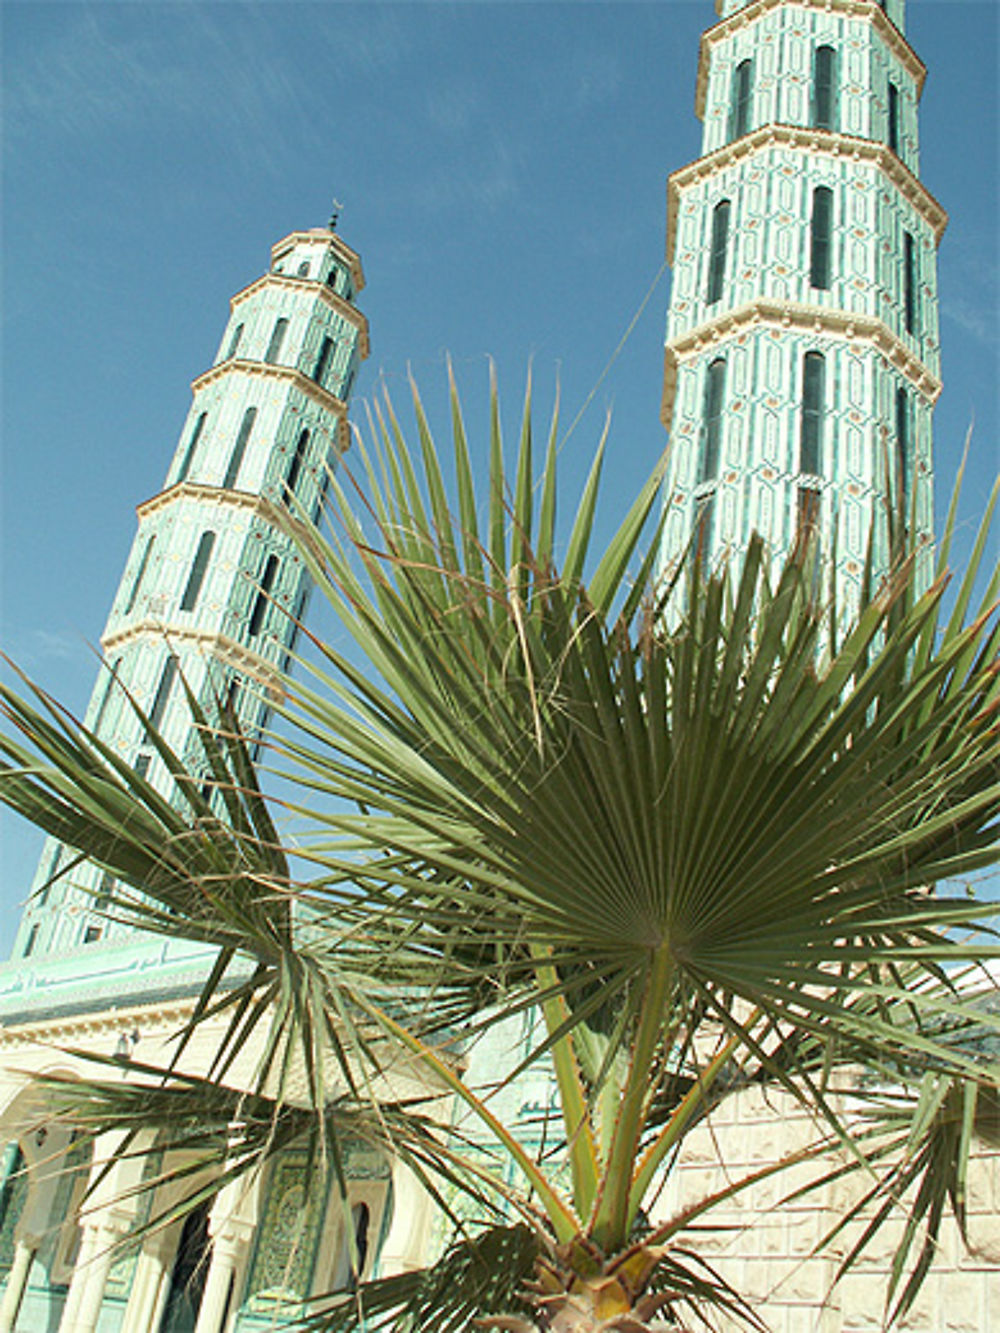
(689, 853)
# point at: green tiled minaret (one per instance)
(212, 589)
(802, 358)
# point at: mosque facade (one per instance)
(801, 371)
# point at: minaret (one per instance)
(802, 357)
(212, 589)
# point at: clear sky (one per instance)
(502, 168)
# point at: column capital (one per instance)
(230, 1232)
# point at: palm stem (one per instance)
(610, 1226)
(576, 1118)
(676, 1126)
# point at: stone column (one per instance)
(90, 1276)
(85, 1252)
(229, 1246)
(406, 1244)
(231, 1226)
(17, 1281)
(145, 1301)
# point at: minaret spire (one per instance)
(802, 359)
(213, 591)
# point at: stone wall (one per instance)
(767, 1252)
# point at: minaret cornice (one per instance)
(196, 490)
(337, 303)
(790, 316)
(868, 9)
(287, 375)
(210, 643)
(328, 238)
(828, 143)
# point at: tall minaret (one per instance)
(212, 589)
(802, 357)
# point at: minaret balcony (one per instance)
(208, 644)
(790, 317)
(292, 378)
(336, 303)
(890, 35)
(325, 239)
(813, 141)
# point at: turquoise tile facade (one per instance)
(267, 422)
(752, 297)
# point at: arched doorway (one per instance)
(188, 1275)
(346, 1272)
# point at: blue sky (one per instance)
(502, 169)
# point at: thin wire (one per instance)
(615, 354)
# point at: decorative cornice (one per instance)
(264, 370)
(330, 238)
(824, 142)
(290, 282)
(791, 316)
(215, 645)
(196, 490)
(869, 9)
(60, 1032)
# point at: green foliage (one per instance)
(695, 844)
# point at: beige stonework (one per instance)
(768, 1254)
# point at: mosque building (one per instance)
(801, 372)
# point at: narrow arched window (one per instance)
(909, 282)
(740, 99)
(105, 889)
(704, 525)
(323, 360)
(106, 696)
(277, 338)
(14, 1190)
(807, 517)
(349, 1265)
(813, 394)
(198, 567)
(167, 677)
(903, 445)
(331, 278)
(30, 943)
(297, 616)
(142, 763)
(820, 237)
(893, 126)
(140, 574)
(227, 708)
(43, 892)
(295, 466)
(715, 382)
(824, 95)
(324, 486)
(234, 341)
(185, 1286)
(188, 458)
(717, 254)
(303, 269)
(263, 595)
(239, 448)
